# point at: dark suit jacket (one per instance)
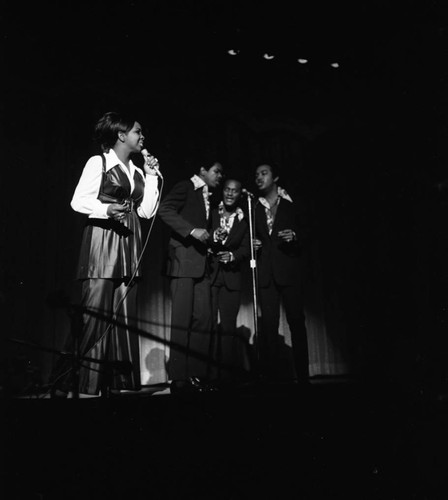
(238, 243)
(183, 209)
(277, 259)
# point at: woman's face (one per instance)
(231, 193)
(134, 139)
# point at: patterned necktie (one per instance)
(205, 194)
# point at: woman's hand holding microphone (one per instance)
(151, 165)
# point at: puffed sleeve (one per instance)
(85, 198)
(149, 204)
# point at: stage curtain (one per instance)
(328, 350)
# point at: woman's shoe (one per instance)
(58, 394)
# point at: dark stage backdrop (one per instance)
(361, 142)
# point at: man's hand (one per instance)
(200, 234)
(225, 257)
(256, 243)
(287, 235)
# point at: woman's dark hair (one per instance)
(108, 126)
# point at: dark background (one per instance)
(363, 143)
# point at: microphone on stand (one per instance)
(146, 156)
(247, 193)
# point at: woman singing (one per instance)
(114, 193)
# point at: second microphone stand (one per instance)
(253, 267)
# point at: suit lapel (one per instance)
(233, 229)
(282, 211)
(201, 201)
(261, 214)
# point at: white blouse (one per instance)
(85, 198)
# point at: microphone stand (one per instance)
(253, 267)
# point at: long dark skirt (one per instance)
(110, 338)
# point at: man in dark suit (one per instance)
(280, 238)
(230, 249)
(186, 210)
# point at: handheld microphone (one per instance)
(247, 193)
(146, 156)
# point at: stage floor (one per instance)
(334, 439)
